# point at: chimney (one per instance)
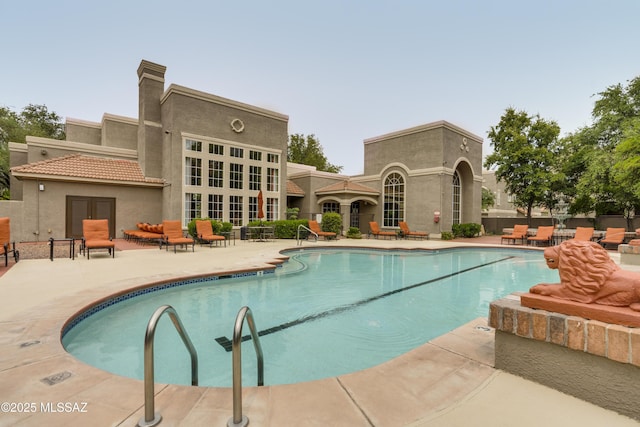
(150, 90)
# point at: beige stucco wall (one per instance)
(83, 131)
(193, 114)
(119, 132)
(427, 157)
(43, 212)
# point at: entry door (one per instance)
(82, 207)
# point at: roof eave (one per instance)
(62, 178)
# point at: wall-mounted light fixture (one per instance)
(41, 187)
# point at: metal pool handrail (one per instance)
(238, 420)
(298, 241)
(151, 418)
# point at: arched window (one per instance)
(393, 209)
(456, 198)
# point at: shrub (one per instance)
(354, 233)
(292, 213)
(332, 221)
(446, 235)
(466, 230)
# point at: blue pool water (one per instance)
(328, 312)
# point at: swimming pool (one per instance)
(324, 313)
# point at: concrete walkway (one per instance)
(449, 381)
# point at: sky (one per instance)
(342, 70)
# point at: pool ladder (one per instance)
(152, 418)
(299, 240)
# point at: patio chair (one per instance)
(613, 236)
(543, 236)
(407, 233)
(95, 235)
(205, 234)
(375, 230)
(519, 233)
(174, 236)
(315, 227)
(6, 245)
(583, 234)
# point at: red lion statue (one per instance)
(588, 275)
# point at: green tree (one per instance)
(488, 199)
(33, 120)
(308, 151)
(524, 152)
(601, 160)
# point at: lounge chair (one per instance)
(543, 236)
(375, 230)
(95, 235)
(583, 234)
(519, 233)
(613, 236)
(174, 236)
(145, 233)
(315, 227)
(6, 245)
(407, 233)
(205, 234)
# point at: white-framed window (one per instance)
(253, 208)
(272, 179)
(457, 198)
(216, 169)
(216, 149)
(192, 171)
(216, 173)
(272, 209)
(192, 207)
(235, 210)
(255, 178)
(192, 145)
(235, 176)
(393, 199)
(215, 206)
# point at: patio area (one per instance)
(449, 381)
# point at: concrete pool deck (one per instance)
(449, 381)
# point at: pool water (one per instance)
(323, 313)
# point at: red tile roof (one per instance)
(87, 167)
(293, 189)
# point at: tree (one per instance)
(34, 120)
(488, 199)
(308, 151)
(524, 151)
(612, 140)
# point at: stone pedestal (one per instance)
(630, 253)
(593, 360)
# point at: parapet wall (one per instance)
(592, 360)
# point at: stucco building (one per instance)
(192, 154)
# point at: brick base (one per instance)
(614, 342)
(592, 360)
